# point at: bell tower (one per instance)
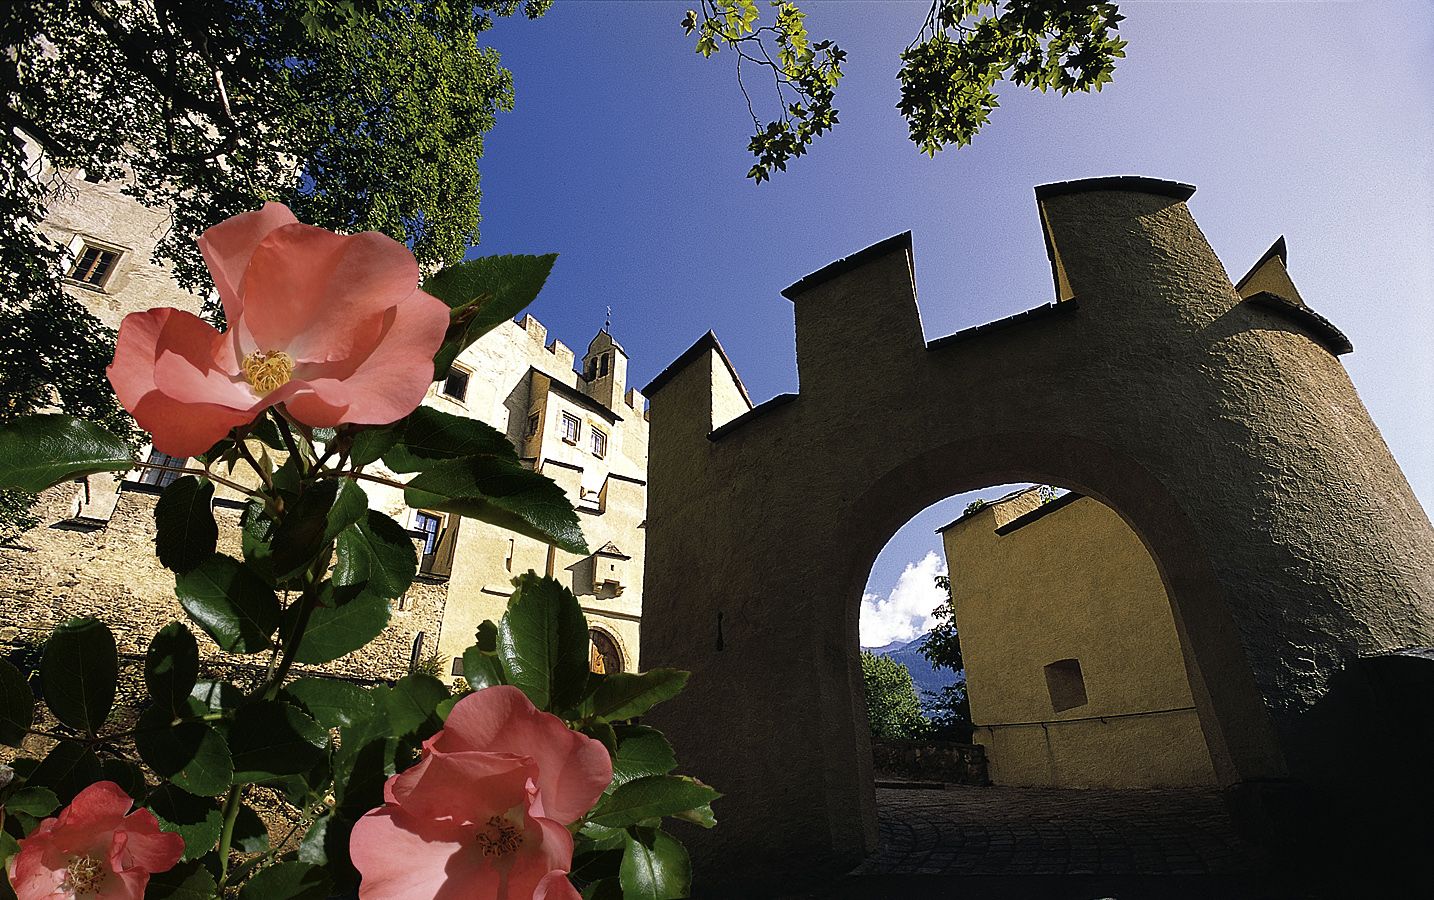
(605, 370)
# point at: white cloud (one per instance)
(906, 612)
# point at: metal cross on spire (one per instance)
(607, 323)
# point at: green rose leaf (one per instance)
(376, 551)
(37, 452)
(67, 769)
(231, 603)
(256, 533)
(500, 492)
(641, 751)
(186, 881)
(125, 774)
(300, 534)
(431, 436)
(603, 889)
(17, 705)
(481, 669)
(412, 702)
(347, 620)
(371, 443)
(333, 704)
(288, 881)
(650, 797)
(185, 532)
(35, 801)
(215, 697)
(487, 636)
(250, 833)
(483, 293)
(79, 670)
(654, 866)
(624, 695)
(171, 666)
(195, 819)
(349, 507)
(190, 754)
(270, 739)
(543, 643)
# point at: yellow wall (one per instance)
(1075, 583)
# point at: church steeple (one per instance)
(605, 370)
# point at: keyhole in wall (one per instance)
(719, 631)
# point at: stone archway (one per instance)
(1215, 419)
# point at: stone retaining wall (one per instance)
(931, 761)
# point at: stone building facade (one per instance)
(93, 553)
(1075, 670)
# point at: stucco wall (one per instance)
(1074, 583)
(1226, 435)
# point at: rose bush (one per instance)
(96, 848)
(485, 812)
(332, 326)
(537, 785)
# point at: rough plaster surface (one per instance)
(1073, 583)
(1230, 441)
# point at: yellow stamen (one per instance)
(268, 370)
(86, 875)
(500, 837)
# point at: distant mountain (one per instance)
(926, 677)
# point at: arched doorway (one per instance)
(1286, 538)
(605, 657)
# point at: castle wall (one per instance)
(1074, 583)
(1224, 433)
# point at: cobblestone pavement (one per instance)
(964, 830)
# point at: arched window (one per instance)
(605, 658)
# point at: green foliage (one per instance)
(892, 708)
(184, 528)
(39, 451)
(806, 74)
(948, 74)
(500, 492)
(951, 706)
(375, 553)
(17, 705)
(171, 667)
(654, 866)
(543, 643)
(483, 293)
(966, 47)
(79, 671)
(231, 603)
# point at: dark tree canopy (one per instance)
(360, 114)
(893, 710)
(949, 71)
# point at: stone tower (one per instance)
(1216, 421)
(605, 370)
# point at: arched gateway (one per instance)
(1214, 418)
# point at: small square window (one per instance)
(94, 265)
(533, 424)
(599, 443)
(428, 523)
(162, 477)
(457, 670)
(455, 384)
(1066, 685)
(572, 428)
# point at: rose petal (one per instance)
(310, 292)
(573, 770)
(397, 863)
(556, 886)
(228, 246)
(465, 787)
(391, 380)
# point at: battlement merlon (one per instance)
(701, 390)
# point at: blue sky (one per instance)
(627, 154)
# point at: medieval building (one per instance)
(1074, 666)
(93, 552)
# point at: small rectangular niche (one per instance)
(1066, 685)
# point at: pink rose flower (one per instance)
(94, 850)
(483, 814)
(332, 326)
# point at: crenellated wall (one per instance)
(1223, 430)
